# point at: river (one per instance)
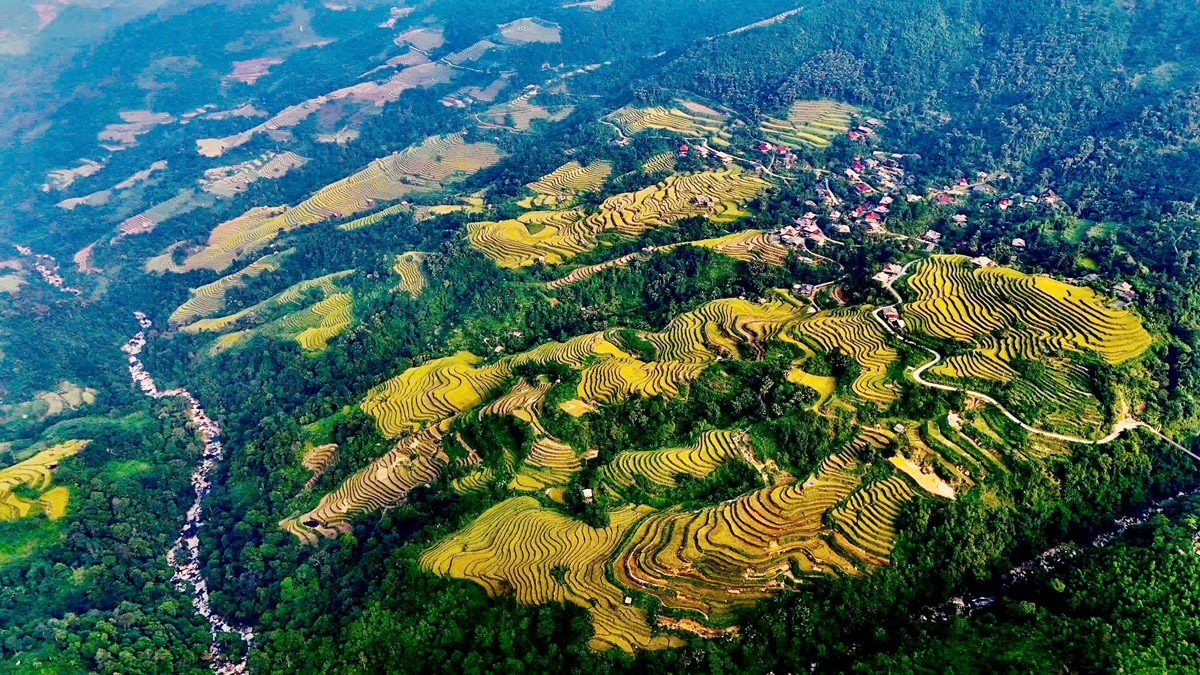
(183, 556)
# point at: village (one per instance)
(879, 180)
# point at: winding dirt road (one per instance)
(1122, 425)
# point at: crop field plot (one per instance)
(661, 162)
(554, 236)
(210, 298)
(432, 391)
(259, 312)
(682, 117)
(513, 549)
(318, 459)
(34, 474)
(426, 167)
(410, 267)
(744, 245)
(519, 113)
(855, 333)
(811, 124)
(415, 459)
(1035, 315)
(530, 29)
(660, 467)
(566, 182)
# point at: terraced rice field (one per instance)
(35, 474)
(550, 462)
(688, 345)
(554, 236)
(660, 162)
(321, 322)
(709, 562)
(431, 392)
(411, 269)
(567, 182)
(373, 218)
(743, 245)
(716, 560)
(530, 29)
(422, 168)
(810, 124)
(512, 547)
(318, 459)
(868, 518)
(660, 467)
(1036, 315)
(472, 53)
(615, 380)
(210, 298)
(183, 202)
(291, 296)
(519, 113)
(416, 459)
(856, 334)
(581, 273)
(684, 117)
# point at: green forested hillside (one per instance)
(642, 335)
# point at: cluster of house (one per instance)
(865, 129)
(890, 273)
(1047, 197)
(1125, 293)
(789, 157)
(883, 168)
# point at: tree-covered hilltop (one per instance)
(637, 336)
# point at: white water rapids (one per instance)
(184, 555)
